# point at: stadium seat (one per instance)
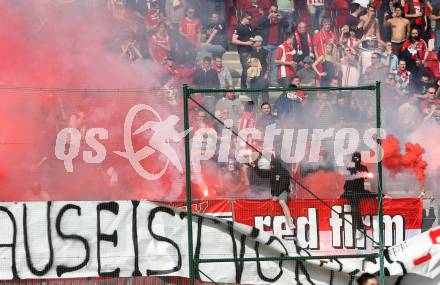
(232, 21)
(340, 21)
(432, 64)
(340, 5)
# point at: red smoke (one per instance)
(70, 45)
(325, 185)
(412, 159)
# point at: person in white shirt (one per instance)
(409, 115)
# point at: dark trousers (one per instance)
(397, 47)
(244, 57)
(285, 81)
(259, 83)
(356, 213)
(354, 197)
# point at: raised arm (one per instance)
(315, 64)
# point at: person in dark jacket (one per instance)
(206, 77)
(261, 81)
(273, 26)
(279, 186)
(266, 118)
(290, 102)
(354, 190)
(262, 54)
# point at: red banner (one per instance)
(322, 225)
(218, 208)
(328, 225)
(410, 209)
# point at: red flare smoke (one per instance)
(412, 160)
(66, 45)
(325, 185)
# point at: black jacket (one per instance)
(208, 79)
(355, 185)
(355, 189)
(263, 56)
(264, 25)
(278, 175)
(264, 121)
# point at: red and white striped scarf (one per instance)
(298, 42)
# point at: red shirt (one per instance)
(190, 29)
(321, 38)
(301, 95)
(285, 53)
(274, 36)
(152, 18)
(425, 104)
(247, 120)
(421, 49)
(157, 51)
(417, 8)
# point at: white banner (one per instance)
(131, 238)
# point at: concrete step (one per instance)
(233, 65)
(231, 55)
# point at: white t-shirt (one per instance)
(350, 75)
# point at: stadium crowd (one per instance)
(292, 43)
(289, 42)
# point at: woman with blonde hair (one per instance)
(328, 64)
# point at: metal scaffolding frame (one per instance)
(187, 91)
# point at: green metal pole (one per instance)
(186, 94)
(379, 185)
(279, 258)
